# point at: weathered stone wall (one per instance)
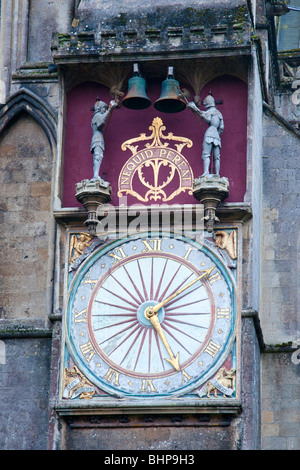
(26, 221)
(26, 284)
(24, 389)
(168, 436)
(280, 377)
(249, 438)
(280, 242)
(252, 229)
(44, 18)
(280, 384)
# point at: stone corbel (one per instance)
(92, 194)
(210, 190)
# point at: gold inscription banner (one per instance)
(156, 172)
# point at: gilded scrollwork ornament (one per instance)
(226, 241)
(223, 382)
(77, 385)
(151, 171)
(81, 246)
(78, 245)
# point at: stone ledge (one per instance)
(148, 419)
(16, 331)
(137, 407)
(199, 30)
(227, 212)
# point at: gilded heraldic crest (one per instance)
(156, 172)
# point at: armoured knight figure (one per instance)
(101, 113)
(212, 140)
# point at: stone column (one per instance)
(13, 41)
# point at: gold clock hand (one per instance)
(151, 315)
(174, 361)
(205, 273)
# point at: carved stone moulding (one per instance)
(92, 194)
(129, 30)
(210, 190)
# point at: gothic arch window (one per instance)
(26, 101)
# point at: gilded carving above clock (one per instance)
(151, 317)
(156, 172)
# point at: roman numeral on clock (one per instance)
(188, 252)
(184, 376)
(118, 255)
(153, 244)
(147, 386)
(223, 313)
(111, 375)
(87, 350)
(214, 277)
(92, 282)
(212, 348)
(80, 316)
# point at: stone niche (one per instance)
(126, 124)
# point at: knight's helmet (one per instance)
(99, 105)
(209, 101)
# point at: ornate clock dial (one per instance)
(151, 316)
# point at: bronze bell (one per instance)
(136, 97)
(170, 100)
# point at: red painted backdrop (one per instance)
(126, 124)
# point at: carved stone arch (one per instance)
(198, 73)
(25, 100)
(112, 75)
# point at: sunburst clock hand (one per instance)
(151, 315)
(153, 318)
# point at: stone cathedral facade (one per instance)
(150, 220)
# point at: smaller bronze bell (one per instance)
(136, 97)
(170, 100)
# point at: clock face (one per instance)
(151, 316)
